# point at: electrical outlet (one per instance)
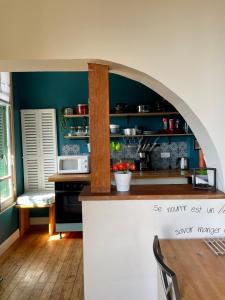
(165, 154)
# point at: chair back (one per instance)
(168, 277)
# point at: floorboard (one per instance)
(41, 267)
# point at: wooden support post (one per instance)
(98, 76)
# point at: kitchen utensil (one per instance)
(82, 109)
(130, 131)
(114, 129)
(143, 161)
(143, 108)
(120, 107)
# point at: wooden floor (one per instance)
(39, 267)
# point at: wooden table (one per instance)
(200, 273)
(24, 217)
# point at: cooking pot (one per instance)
(130, 131)
(114, 129)
(82, 109)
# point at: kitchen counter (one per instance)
(127, 223)
(200, 273)
(152, 192)
(160, 174)
(69, 177)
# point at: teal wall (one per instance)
(66, 89)
(8, 223)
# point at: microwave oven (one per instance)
(73, 164)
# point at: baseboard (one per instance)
(39, 221)
(9, 241)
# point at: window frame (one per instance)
(8, 102)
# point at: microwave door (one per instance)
(69, 165)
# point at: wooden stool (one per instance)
(24, 217)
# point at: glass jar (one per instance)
(80, 130)
(72, 131)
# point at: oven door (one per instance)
(67, 207)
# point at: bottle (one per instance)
(165, 123)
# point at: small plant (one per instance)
(123, 167)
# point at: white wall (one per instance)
(118, 239)
(176, 46)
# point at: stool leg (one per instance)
(51, 225)
(24, 220)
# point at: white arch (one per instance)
(205, 141)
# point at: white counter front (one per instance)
(118, 237)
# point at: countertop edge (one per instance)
(153, 192)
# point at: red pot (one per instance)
(82, 109)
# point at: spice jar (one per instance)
(72, 131)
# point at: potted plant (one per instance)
(122, 174)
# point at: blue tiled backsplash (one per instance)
(129, 152)
(176, 150)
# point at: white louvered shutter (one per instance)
(48, 146)
(39, 148)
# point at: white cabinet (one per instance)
(39, 140)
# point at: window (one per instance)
(6, 160)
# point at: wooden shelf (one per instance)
(148, 135)
(147, 114)
(76, 116)
(130, 136)
(76, 137)
(121, 115)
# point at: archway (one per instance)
(205, 141)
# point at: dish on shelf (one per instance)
(114, 129)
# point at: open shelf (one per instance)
(148, 135)
(121, 115)
(146, 114)
(75, 116)
(77, 137)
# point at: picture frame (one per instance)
(196, 145)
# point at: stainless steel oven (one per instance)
(68, 207)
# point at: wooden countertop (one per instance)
(200, 273)
(69, 177)
(135, 175)
(152, 192)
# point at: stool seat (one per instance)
(36, 199)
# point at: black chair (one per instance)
(168, 277)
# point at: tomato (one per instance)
(132, 167)
(126, 166)
(120, 166)
(114, 168)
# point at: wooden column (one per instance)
(98, 76)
